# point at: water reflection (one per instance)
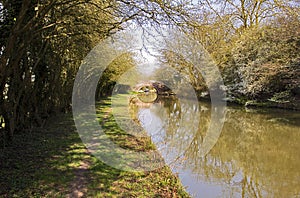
(147, 97)
(257, 154)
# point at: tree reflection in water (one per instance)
(257, 154)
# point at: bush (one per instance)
(265, 63)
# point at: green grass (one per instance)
(43, 163)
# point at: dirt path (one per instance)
(80, 182)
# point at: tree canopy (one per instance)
(254, 43)
(43, 43)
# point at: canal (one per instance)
(255, 155)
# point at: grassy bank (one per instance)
(53, 162)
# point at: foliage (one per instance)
(188, 72)
(255, 44)
(39, 57)
(43, 43)
(113, 72)
(266, 61)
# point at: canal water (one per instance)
(257, 153)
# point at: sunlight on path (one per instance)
(79, 184)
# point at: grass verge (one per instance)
(45, 162)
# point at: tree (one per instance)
(267, 61)
(254, 44)
(248, 13)
(113, 72)
(39, 57)
(43, 43)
